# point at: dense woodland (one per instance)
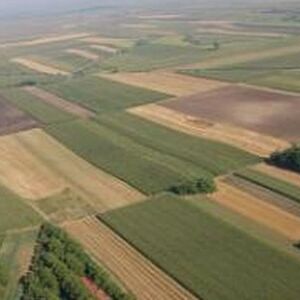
(58, 267)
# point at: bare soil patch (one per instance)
(266, 112)
(13, 119)
(279, 173)
(166, 82)
(39, 67)
(106, 49)
(253, 142)
(258, 210)
(46, 40)
(83, 53)
(36, 166)
(94, 290)
(60, 103)
(138, 274)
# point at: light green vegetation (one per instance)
(212, 258)
(154, 56)
(15, 256)
(281, 187)
(14, 212)
(39, 110)
(148, 156)
(101, 95)
(65, 206)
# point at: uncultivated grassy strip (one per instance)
(39, 110)
(214, 157)
(148, 170)
(14, 213)
(276, 185)
(103, 95)
(212, 258)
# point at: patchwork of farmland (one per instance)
(101, 95)
(104, 121)
(240, 268)
(153, 163)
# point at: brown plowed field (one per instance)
(247, 140)
(139, 275)
(166, 82)
(13, 119)
(39, 67)
(279, 173)
(36, 166)
(258, 210)
(60, 103)
(266, 112)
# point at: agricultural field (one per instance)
(199, 258)
(102, 95)
(131, 152)
(257, 110)
(162, 136)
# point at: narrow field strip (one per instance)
(258, 210)
(166, 82)
(60, 103)
(36, 166)
(46, 40)
(83, 53)
(244, 139)
(39, 67)
(278, 173)
(138, 274)
(104, 48)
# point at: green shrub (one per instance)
(289, 159)
(200, 186)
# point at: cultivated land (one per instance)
(118, 145)
(138, 274)
(257, 110)
(44, 168)
(258, 210)
(13, 119)
(250, 141)
(166, 82)
(83, 53)
(242, 268)
(39, 67)
(33, 106)
(102, 95)
(59, 103)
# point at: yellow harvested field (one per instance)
(39, 67)
(117, 42)
(258, 210)
(161, 17)
(46, 40)
(279, 173)
(241, 138)
(60, 103)
(166, 82)
(138, 274)
(104, 48)
(36, 166)
(245, 57)
(83, 53)
(139, 26)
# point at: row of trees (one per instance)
(57, 269)
(288, 159)
(200, 186)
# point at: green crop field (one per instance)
(39, 110)
(276, 185)
(171, 157)
(14, 213)
(212, 258)
(103, 95)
